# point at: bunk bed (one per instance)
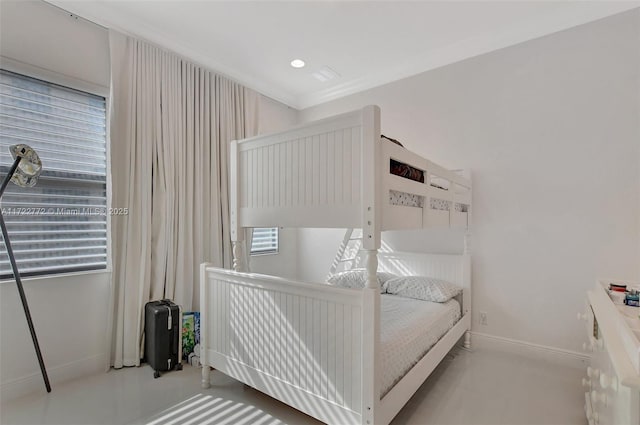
(319, 348)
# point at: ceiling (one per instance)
(367, 43)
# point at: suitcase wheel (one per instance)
(156, 374)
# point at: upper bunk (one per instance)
(339, 172)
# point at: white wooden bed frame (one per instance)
(334, 173)
(314, 346)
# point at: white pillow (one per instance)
(357, 278)
(422, 288)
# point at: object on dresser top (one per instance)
(616, 296)
(617, 287)
(632, 299)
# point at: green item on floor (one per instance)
(188, 333)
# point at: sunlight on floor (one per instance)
(205, 409)
(481, 386)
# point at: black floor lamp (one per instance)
(24, 172)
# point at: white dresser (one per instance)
(612, 381)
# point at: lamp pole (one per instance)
(16, 274)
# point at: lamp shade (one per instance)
(29, 168)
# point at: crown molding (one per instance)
(470, 48)
(465, 49)
(97, 13)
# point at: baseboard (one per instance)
(18, 387)
(569, 357)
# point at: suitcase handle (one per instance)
(168, 303)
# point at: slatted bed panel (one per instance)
(287, 339)
(308, 345)
(302, 177)
(323, 169)
(330, 172)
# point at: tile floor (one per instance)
(484, 386)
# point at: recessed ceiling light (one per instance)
(297, 63)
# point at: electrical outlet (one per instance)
(483, 318)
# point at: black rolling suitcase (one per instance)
(163, 339)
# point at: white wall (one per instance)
(275, 116)
(43, 37)
(550, 129)
(317, 247)
(69, 312)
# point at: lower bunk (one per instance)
(341, 355)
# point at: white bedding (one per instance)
(409, 328)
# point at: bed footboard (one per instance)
(299, 343)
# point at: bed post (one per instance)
(467, 265)
(237, 233)
(239, 263)
(371, 218)
(204, 298)
(466, 298)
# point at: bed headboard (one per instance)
(452, 268)
(439, 266)
(314, 175)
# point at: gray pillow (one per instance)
(357, 278)
(422, 288)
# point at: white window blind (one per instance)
(60, 225)
(264, 241)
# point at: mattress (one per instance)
(409, 328)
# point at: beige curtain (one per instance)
(170, 128)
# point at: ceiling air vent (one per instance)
(325, 74)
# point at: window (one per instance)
(60, 225)
(264, 241)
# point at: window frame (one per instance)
(74, 83)
(268, 252)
